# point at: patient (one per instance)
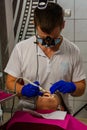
(51, 102)
(45, 102)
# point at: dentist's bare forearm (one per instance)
(10, 84)
(80, 88)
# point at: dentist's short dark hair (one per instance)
(49, 18)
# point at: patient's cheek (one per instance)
(47, 103)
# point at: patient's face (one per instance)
(47, 102)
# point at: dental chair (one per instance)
(25, 121)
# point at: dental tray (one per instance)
(5, 95)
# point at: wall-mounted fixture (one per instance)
(67, 12)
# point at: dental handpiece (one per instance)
(40, 88)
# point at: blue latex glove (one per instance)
(63, 86)
(30, 90)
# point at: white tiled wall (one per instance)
(81, 30)
(67, 4)
(76, 31)
(68, 31)
(80, 9)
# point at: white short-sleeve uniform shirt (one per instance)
(29, 61)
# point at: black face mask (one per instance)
(48, 41)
